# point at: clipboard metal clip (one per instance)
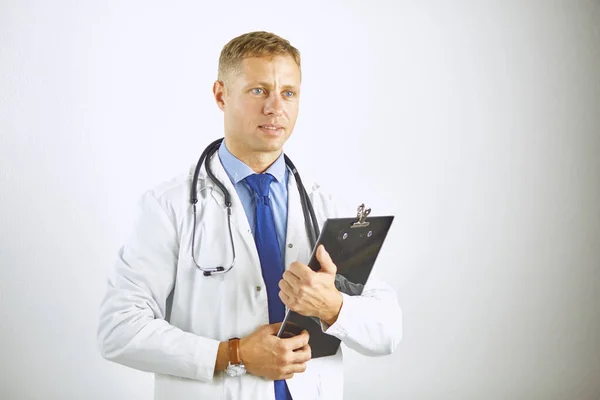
(361, 215)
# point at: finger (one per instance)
(286, 287)
(301, 271)
(325, 260)
(306, 347)
(285, 298)
(296, 368)
(290, 278)
(297, 341)
(302, 354)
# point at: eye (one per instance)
(257, 91)
(289, 93)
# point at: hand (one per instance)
(264, 354)
(310, 293)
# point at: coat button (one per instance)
(290, 245)
(258, 288)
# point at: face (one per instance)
(260, 104)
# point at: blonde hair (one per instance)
(254, 44)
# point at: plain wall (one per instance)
(477, 124)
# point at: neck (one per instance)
(258, 161)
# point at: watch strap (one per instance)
(234, 351)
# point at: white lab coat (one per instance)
(145, 324)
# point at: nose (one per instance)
(274, 105)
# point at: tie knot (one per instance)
(260, 183)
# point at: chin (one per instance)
(272, 147)
(271, 143)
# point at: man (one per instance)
(214, 337)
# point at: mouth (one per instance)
(271, 129)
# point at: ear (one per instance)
(219, 93)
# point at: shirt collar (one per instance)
(238, 170)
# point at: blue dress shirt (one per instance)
(237, 171)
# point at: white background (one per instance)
(477, 124)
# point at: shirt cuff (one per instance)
(337, 329)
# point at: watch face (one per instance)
(235, 370)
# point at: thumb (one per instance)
(325, 260)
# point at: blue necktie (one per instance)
(269, 253)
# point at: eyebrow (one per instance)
(269, 86)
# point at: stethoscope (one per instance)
(310, 220)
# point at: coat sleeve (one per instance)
(369, 323)
(132, 329)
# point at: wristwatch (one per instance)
(236, 366)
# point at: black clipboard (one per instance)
(353, 244)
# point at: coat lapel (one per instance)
(296, 236)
